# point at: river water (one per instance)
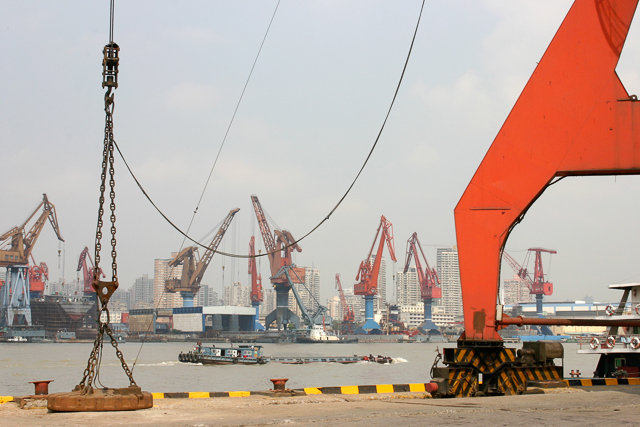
(157, 368)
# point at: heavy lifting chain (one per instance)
(104, 290)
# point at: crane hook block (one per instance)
(110, 65)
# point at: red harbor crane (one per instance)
(87, 274)
(256, 284)
(279, 247)
(427, 278)
(38, 276)
(348, 316)
(368, 272)
(14, 254)
(193, 267)
(537, 286)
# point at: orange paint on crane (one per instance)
(573, 118)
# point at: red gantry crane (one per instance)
(368, 272)
(427, 278)
(256, 283)
(87, 274)
(193, 267)
(573, 118)
(348, 316)
(279, 247)
(14, 254)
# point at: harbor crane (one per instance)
(574, 117)
(193, 266)
(14, 255)
(38, 276)
(537, 286)
(87, 274)
(427, 278)
(256, 284)
(348, 316)
(368, 272)
(279, 247)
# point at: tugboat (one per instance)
(241, 355)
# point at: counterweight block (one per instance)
(99, 400)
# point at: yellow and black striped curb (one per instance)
(584, 382)
(352, 389)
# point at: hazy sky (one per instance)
(315, 103)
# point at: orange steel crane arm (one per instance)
(256, 279)
(522, 272)
(368, 272)
(278, 249)
(347, 311)
(573, 118)
(192, 270)
(87, 272)
(428, 278)
(22, 244)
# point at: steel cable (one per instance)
(339, 201)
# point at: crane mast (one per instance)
(368, 272)
(279, 247)
(427, 278)
(256, 283)
(193, 269)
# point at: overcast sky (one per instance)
(311, 112)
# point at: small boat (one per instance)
(240, 355)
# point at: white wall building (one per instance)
(449, 274)
(407, 287)
(162, 272)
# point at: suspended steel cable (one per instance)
(233, 116)
(395, 95)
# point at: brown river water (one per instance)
(157, 368)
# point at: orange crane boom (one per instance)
(22, 243)
(193, 268)
(427, 278)
(368, 272)
(348, 316)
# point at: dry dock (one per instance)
(597, 406)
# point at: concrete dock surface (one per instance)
(592, 406)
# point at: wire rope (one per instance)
(395, 95)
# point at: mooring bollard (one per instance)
(42, 387)
(278, 383)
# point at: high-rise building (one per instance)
(356, 302)
(237, 295)
(162, 272)
(206, 297)
(449, 274)
(142, 291)
(515, 291)
(407, 287)
(268, 302)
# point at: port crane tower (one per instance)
(87, 274)
(368, 272)
(193, 266)
(348, 316)
(279, 247)
(427, 278)
(256, 284)
(14, 255)
(573, 118)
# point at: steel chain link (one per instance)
(91, 372)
